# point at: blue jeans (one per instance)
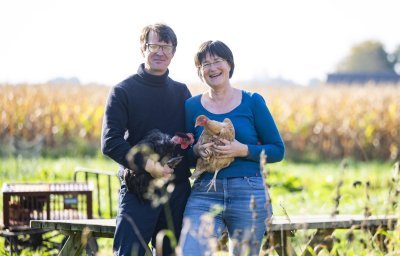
(240, 205)
(148, 221)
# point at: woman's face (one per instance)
(215, 71)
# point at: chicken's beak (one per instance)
(191, 138)
(173, 162)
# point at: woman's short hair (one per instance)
(164, 32)
(214, 48)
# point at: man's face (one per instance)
(157, 55)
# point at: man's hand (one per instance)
(156, 170)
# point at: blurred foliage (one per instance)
(324, 122)
(368, 56)
(311, 188)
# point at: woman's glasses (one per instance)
(207, 65)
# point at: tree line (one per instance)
(370, 56)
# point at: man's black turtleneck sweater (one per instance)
(139, 104)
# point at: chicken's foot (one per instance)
(213, 182)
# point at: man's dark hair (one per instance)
(164, 32)
(214, 48)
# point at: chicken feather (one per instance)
(213, 131)
(158, 146)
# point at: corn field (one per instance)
(325, 122)
(339, 122)
(49, 116)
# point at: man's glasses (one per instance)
(216, 63)
(167, 49)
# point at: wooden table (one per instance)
(78, 231)
(281, 229)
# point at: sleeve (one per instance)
(270, 139)
(187, 94)
(115, 122)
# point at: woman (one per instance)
(240, 202)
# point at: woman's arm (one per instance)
(270, 138)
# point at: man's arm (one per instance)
(115, 122)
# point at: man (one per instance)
(147, 100)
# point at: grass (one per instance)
(348, 187)
(310, 188)
(295, 187)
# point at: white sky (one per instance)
(98, 41)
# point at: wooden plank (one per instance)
(46, 225)
(63, 226)
(280, 242)
(35, 224)
(104, 227)
(81, 226)
(73, 246)
(109, 228)
(321, 239)
(278, 223)
(328, 222)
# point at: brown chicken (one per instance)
(213, 131)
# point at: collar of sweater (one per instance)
(150, 79)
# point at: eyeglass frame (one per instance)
(163, 47)
(206, 66)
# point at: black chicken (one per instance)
(156, 145)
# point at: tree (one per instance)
(368, 57)
(395, 59)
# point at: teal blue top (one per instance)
(254, 126)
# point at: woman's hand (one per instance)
(156, 170)
(231, 149)
(203, 150)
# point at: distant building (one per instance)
(363, 78)
(63, 80)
